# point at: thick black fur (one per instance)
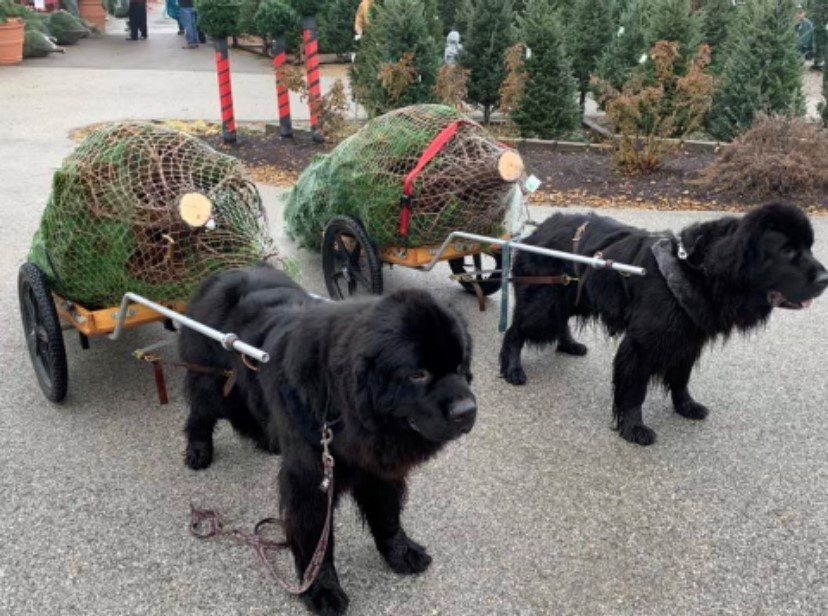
(393, 372)
(739, 268)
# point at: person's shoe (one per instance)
(129, 38)
(190, 47)
(180, 32)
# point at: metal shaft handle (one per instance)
(228, 340)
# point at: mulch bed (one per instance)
(580, 179)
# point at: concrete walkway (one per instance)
(542, 509)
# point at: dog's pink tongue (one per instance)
(807, 303)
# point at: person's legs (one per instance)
(188, 18)
(142, 24)
(134, 20)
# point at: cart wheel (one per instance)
(41, 327)
(489, 283)
(349, 259)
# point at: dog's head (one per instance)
(768, 251)
(414, 374)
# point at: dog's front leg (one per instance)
(304, 508)
(381, 504)
(677, 378)
(510, 366)
(631, 376)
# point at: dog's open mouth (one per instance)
(778, 300)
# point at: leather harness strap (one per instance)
(563, 279)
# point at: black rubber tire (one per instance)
(44, 337)
(354, 271)
(489, 283)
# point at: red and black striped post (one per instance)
(228, 119)
(282, 93)
(312, 66)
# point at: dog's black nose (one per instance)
(821, 279)
(462, 413)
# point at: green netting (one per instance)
(112, 223)
(363, 177)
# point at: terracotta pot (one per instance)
(11, 41)
(93, 12)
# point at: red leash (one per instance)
(207, 524)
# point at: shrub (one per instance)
(275, 18)
(514, 84)
(219, 18)
(452, 85)
(655, 104)
(779, 156)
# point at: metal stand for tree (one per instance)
(312, 66)
(228, 118)
(282, 93)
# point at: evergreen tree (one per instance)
(627, 46)
(490, 32)
(717, 20)
(448, 10)
(463, 16)
(336, 26)
(674, 20)
(589, 34)
(819, 15)
(398, 27)
(761, 69)
(549, 107)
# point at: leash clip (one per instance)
(682, 252)
(327, 458)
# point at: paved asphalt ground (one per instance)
(542, 509)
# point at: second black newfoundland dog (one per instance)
(709, 280)
(391, 376)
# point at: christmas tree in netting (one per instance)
(463, 187)
(115, 221)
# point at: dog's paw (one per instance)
(638, 434)
(326, 600)
(692, 410)
(199, 455)
(405, 556)
(570, 347)
(515, 376)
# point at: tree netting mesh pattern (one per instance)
(112, 223)
(460, 189)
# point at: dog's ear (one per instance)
(366, 390)
(708, 245)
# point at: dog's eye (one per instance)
(789, 252)
(420, 377)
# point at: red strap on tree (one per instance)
(433, 149)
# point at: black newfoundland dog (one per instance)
(391, 376)
(713, 278)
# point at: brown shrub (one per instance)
(395, 77)
(452, 85)
(656, 104)
(514, 84)
(779, 156)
